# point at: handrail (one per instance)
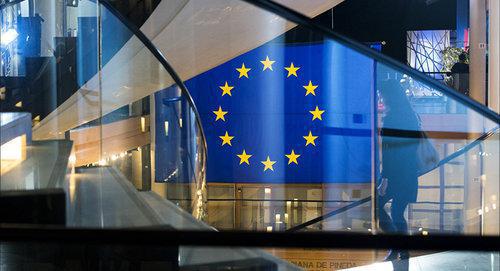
(330, 214)
(165, 237)
(304, 21)
(367, 199)
(464, 149)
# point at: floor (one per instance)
(102, 197)
(443, 261)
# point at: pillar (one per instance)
(477, 68)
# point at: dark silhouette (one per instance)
(461, 66)
(399, 160)
(460, 75)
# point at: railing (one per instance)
(198, 172)
(379, 62)
(481, 120)
(355, 204)
(99, 64)
(168, 238)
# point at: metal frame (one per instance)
(165, 237)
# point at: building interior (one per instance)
(269, 117)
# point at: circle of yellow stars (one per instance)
(310, 89)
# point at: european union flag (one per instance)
(287, 114)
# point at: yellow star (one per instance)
(292, 70)
(310, 88)
(226, 89)
(243, 71)
(268, 164)
(317, 113)
(226, 139)
(268, 64)
(220, 114)
(244, 157)
(310, 139)
(292, 157)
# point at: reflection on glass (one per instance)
(445, 152)
(89, 83)
(299, 125)
(399, 179)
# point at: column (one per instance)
(477, 68)
(494, 56)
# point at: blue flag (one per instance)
(283, 114)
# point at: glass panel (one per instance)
(252, 207)
(296, 98)
(488, 155)
(299, 124)
(326, 108)
(304, 132)
(262, 109)
(179, 176)
(131, 78)
(432, 165)
(49, 54)
(89, 84)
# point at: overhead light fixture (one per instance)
(8, 36)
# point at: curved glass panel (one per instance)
(295, 123)
(298, 121)
(92, 87)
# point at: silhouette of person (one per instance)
(399, 144)
(460, 74)
(460, 66)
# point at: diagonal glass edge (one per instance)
(304, 21)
